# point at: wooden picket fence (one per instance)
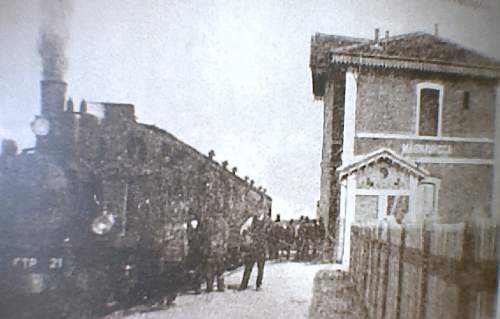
(444, 271)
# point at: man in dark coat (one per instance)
(308, 238)
(254, 248)
(173, 257)
(301, 239)
(195, 257)
(275, 237)
(289, 234)
(319, 236)
(217, 231)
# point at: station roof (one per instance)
(418, 51)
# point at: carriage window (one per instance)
(429, 108)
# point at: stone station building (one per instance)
(408, 130)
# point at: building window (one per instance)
(366, 207)
(397, 206)
(429, 194)
(429, 104)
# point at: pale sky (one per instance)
(228, 75)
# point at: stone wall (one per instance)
(387, 103)
(465, 191)
(335, 296)
(333, 128)
(413, 271)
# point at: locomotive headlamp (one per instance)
(40, 126)
(103, 224)
(194, 223)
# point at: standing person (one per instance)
(319, 238)
(308, 238)
(283, 247)
(314, 229)
(247, 251)
(218, 236)
(233, 249)
(194, 259)
(255, 238)
(288, 234)
(300, 239)
(274, 238)
(174, 254)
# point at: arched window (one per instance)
(428, 196)
(429, 109)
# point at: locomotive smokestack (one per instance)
(53, 95)
(53, 37)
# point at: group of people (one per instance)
(303, 238)
(208, 244)
(211, 251)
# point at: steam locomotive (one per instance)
(62, 253)
(91, 216)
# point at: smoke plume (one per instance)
(53, 37)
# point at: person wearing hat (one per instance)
(194, 257)
(275, 238)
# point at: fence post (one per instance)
(382, 273)
(393, 270)
(400, 272)
(425, 270)
(374, 271)
(412, 272)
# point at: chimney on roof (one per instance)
(83, 106)
(70, 107)
(436, 29)
(387, 34)
(377, 35)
